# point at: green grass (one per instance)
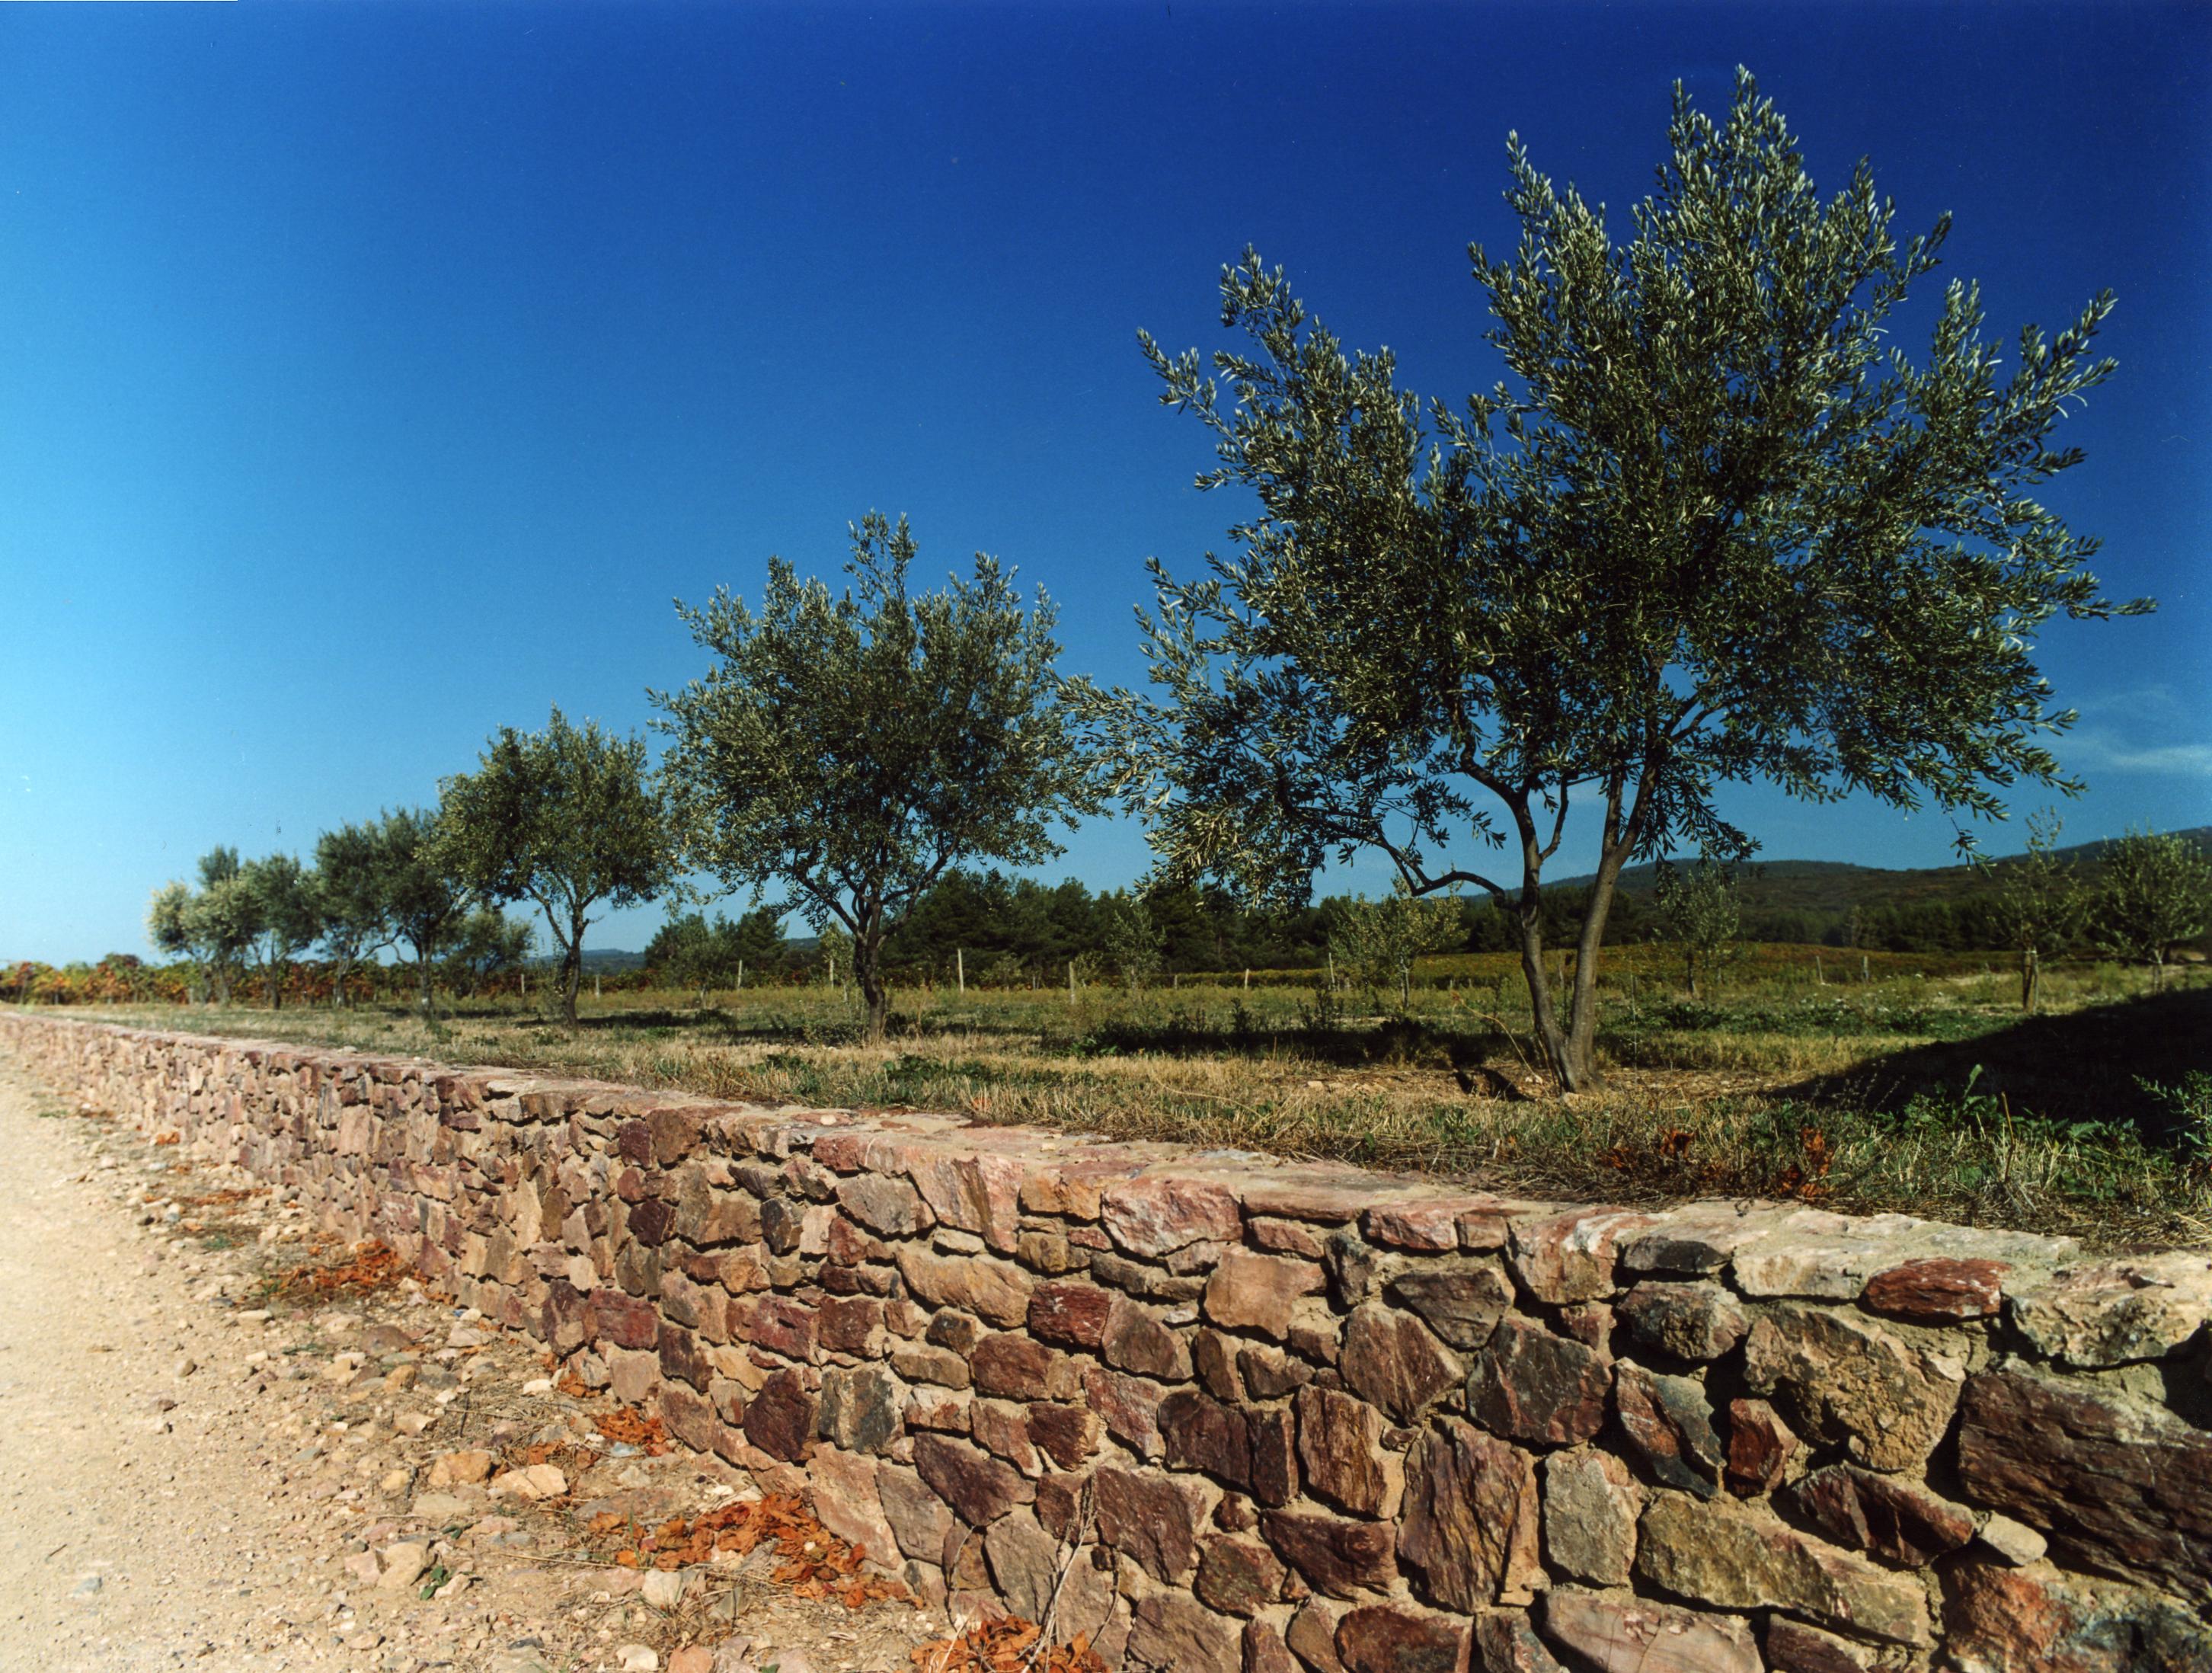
(1921, 1089)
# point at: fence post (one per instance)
(960, 970)
(1071, 981)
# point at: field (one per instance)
(1904, 1082)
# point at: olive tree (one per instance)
(428, 900)
(2157, 893)
(2041, 902)
(1714, 525)
(565, 818)
(1698, 912)
(1378, 940)
(849, 748)
(213, 925)
(287, 917)
(354, 897)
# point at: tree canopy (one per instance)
(565, 818)
(1714, 525)
(851, 748)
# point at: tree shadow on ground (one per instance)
(2081, 1065)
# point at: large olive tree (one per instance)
(849, 748)
(1714, 525)
(565, 818)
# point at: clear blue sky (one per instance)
(374, 375)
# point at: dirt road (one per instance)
(197, 1472)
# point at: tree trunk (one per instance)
(867, 972)
(572, 976)
(2031, 974)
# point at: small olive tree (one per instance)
(849, 748)
(1715, 525)
(1698, 912)
(1378, 940)
(353, 897)
(428, 899)
(2041, 902)
(567, 817)
(287, 917)
(213, 925)
(2157, 893)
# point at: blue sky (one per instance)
(374, 375)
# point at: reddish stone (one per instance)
(852, 1325)
(1214, 1355)
(860, 1408)
(1429, 1227)
(1070, 1311)
(979, 1487)
(1173, 1634)
(890, 1207)
(675, 1134)
(1940, 1291)
(1341, 1447)
(1571, 1256)
(1153, 1214)
(1333, 1555)
(1896, 1518)
(1128, 1405)
(2121, 1486)
(1999, 1619)
(1067, 1434)
(1391, 1359)
(1199, 1434)
(690, 1418)
(974, 1190)
(1386, 1638)
(1469, 1526)
(680, 1357)
(1265, 1652)
(1529, 1384)
(1016, 1367)
(781, 1418)
(651, 1221)
(1152, 1517)
(624, 1320)
(998, 1427)
(633, 1142)
(1137, 1340)
(1311, 1636)
(1759, 1447)
(1504, 1642)
(1250, 1291)
(1624, 1634)
(1268, 1374)
(781, 1326)
(1668, 1420)
(1284, 1237)
(1794, 1647)
(1274, 1454)
(1237, 1576)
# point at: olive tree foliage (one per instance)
(847, 748)
(1131, 939)
(2041, 902)
(1378, 940)
(425, 895)
(488, 945)
(353, 895)
(287, 917)
(1712, 527)
(565, 818)
(1698, 912)
(2157, 893)
(213, 925)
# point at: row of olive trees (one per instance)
(1713, 525)
(2153, 894)
(374, 887)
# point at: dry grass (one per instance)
(1850, 1096)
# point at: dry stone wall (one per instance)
(1227, 1413)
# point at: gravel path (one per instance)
(192, 1475)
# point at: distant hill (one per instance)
(607, 961)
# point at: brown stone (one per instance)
(1893, 1517)
(1590, 1507)
(1153, 1213)
(973, 1190)
(1137, 1340)
(1311, 1636)
(860, 1408)
(1065, 1434)
(1504, 1641)
(979, 1487)
(621, 1321)
(1695, 1321)
(1213, 1356)
(781, 1420)
(1284, 1237)
(1387, 1638)
(1669, 1422)
(1759, 1447)
(1149, 1516)
(1940, 1290)
(1998, 1619)
(1392, 1359)
(1571, 1256)
(691, 1419)
(1249, 1292)
(1470, 1527)
(1341, 1449)
(1237, 1576)
(1461, 1301)
(1431, 1228)
(2121, 1486)
(997, 1290)
(919, 1362)
(1794, 1647)
(1264, 1650)
(1170, 1634)
(1529, 1384)
(2117, 1312)
(781, 1326)
(1128, 1405)
(1070, 1311)
(998, 1427)
(1615, 1633)
(1334, 1556)
(890, 1207)
(1736, 1555)
(1200, 1433)
(843, 1486)
(851, 1324)
(1274, 1454)
(1845, 1379)
(1268, 1374)
(1013, 1366)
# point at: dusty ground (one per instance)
(197, 1471)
